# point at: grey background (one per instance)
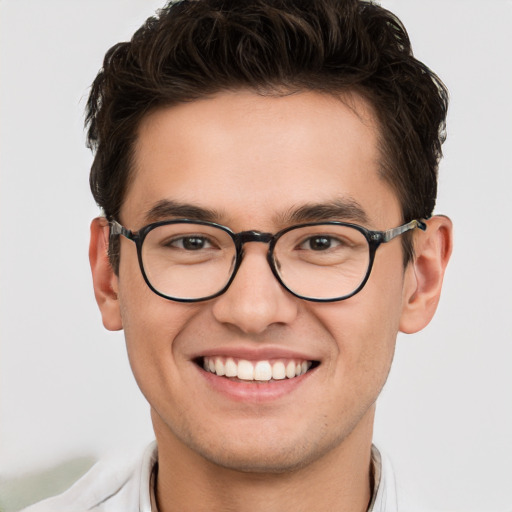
(66, 390)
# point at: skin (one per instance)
(252, 160)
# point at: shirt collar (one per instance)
(384, 497)
(149, 471)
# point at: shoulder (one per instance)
(120, 483)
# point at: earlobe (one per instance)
(424, 275)
(104, 279)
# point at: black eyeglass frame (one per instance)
(374, 238)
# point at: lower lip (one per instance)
(254, 391)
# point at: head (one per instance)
(260, 115)
(194, 49)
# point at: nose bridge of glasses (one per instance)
(253, 236)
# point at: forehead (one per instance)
(244, 155)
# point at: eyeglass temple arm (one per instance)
(117, 229)
(394, 232)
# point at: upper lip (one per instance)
(255, 353)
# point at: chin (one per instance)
(265, 451)
(263, 460)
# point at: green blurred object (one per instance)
(19, 492)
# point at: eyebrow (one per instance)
(342, 209)
(167, 209)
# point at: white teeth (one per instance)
(262, 371)
(278, 371)
(231, 368)
(245, 370)
(219, 367)
(290, 370)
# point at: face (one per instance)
(251, 162)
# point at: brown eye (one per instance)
(190, 243)
(319, 243)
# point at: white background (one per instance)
(445, 417)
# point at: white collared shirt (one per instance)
(126, 486)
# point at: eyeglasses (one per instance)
(189, 261)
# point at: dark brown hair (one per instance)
(195, 48)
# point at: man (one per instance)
(267, 170)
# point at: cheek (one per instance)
(151, 325)
(364, 337)
(156, 359)
(149, 321)
(364, 328)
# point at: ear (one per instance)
(104, 280)
(424, 275)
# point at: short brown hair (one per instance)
(195, 48)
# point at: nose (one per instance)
(255, 300)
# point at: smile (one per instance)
(261, 371)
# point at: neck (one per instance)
(337, 480)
